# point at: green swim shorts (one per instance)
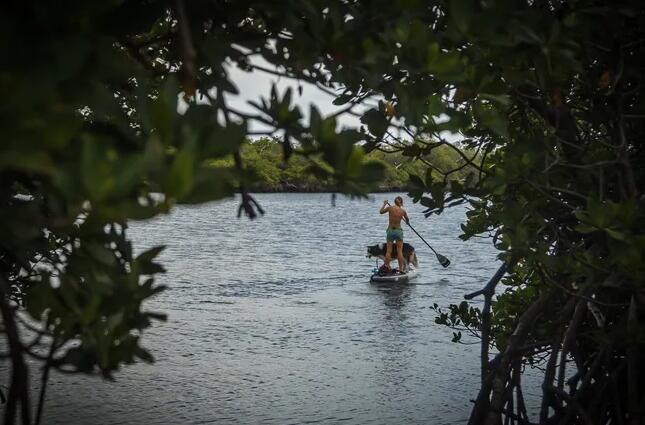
(394, 234)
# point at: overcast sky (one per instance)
(253, 85)
(257, 84)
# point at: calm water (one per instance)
(274, 321)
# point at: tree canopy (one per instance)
(268, 172)
(547, 96)
(92, 138)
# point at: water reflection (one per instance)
(395, 294)
(393, 377)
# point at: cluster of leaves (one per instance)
(92, 138)
(553, 108)
(461, 318)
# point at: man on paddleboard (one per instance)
(394, 231)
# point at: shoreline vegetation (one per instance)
(268, 172)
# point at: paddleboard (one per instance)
(394, 278)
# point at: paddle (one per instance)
(442, 260)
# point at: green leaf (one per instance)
(412, 150)
(37, 162)
(493, 119)
(144, 354)
(461, 12)
(131, 172)
(616, 234)
(96, 170)
(163, 111)
(40, 298)
(150, 254)
(435, 106)
(101, 254)
(417, 181)
(584, 228)
(343, 99)
(372, 172)
(162, 317)
(354, 162)
(501, 99)
(220, 141)
(376, 122)
(180, 179)
(211, 183)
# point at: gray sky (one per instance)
(253, 85)
(257, 84)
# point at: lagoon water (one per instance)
(274, 321)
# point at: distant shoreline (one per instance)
(304, 189)
(264, 158)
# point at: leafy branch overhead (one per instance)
(93, 138)
(540, 102)
(552, 107)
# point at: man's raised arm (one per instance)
(385, 207)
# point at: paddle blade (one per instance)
(443, 260)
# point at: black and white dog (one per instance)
(379, 250)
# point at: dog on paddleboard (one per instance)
(379, 250)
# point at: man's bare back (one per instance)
(395, 215)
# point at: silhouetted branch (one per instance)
(549, 374)
(492, 283)
(18, 390)
(187, 50)
(500, 373)
(632, 365)
(44, 379)
(569, 338)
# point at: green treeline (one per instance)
(267, 171)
